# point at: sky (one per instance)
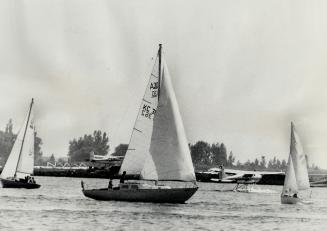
(242, 70)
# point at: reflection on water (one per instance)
(60, 205)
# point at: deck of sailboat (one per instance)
(163, 195)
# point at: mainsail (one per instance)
(20, 162)
(158, 149)
(299, 160)
(290, 185)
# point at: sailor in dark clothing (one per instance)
(122, 178)
(82, 184)
(110, 184)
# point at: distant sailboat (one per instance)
(296, 178)
(20, 163)
(158, 149)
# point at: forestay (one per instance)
(299, 160)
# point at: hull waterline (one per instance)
(18, 184)
(173, 195)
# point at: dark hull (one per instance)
(18, 184)
(173, 195)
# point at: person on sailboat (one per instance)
(122, 178)
(110, 184)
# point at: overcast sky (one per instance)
(242, 70)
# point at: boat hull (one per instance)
(289, 200)
(172, 195)
(18, 184)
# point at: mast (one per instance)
(159, 54)
(21, 147)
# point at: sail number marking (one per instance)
(154, 89)
(147, 111)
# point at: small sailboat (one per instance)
(158, 150)
(296, 178)
(18, 170)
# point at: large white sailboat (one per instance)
(158, 150)
(18, 170)
(296, 178)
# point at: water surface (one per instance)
(60, 205)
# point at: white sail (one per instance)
(299, 160)
(18, 159)
(158, 148)
(139, 145)
(26, 162)
(290, 185)
(169, 148)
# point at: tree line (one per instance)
(7, 139)
(204, 155)
(80, 149)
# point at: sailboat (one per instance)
(158, 150)
(296, 178)
(18, 170)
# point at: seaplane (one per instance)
(104, 159)
(244, 180)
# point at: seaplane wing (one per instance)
(106, 158)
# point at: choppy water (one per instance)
(60, 205)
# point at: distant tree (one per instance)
(283, 165)
(256, 163)
(62, 160)
(7, 140)
(231, 159)
(52, 159)
(9, 127)
(223, 154)
(201, 153)
(263, 162)
(100, 143)
(79, 150)
(120, 150)
(37, 149)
